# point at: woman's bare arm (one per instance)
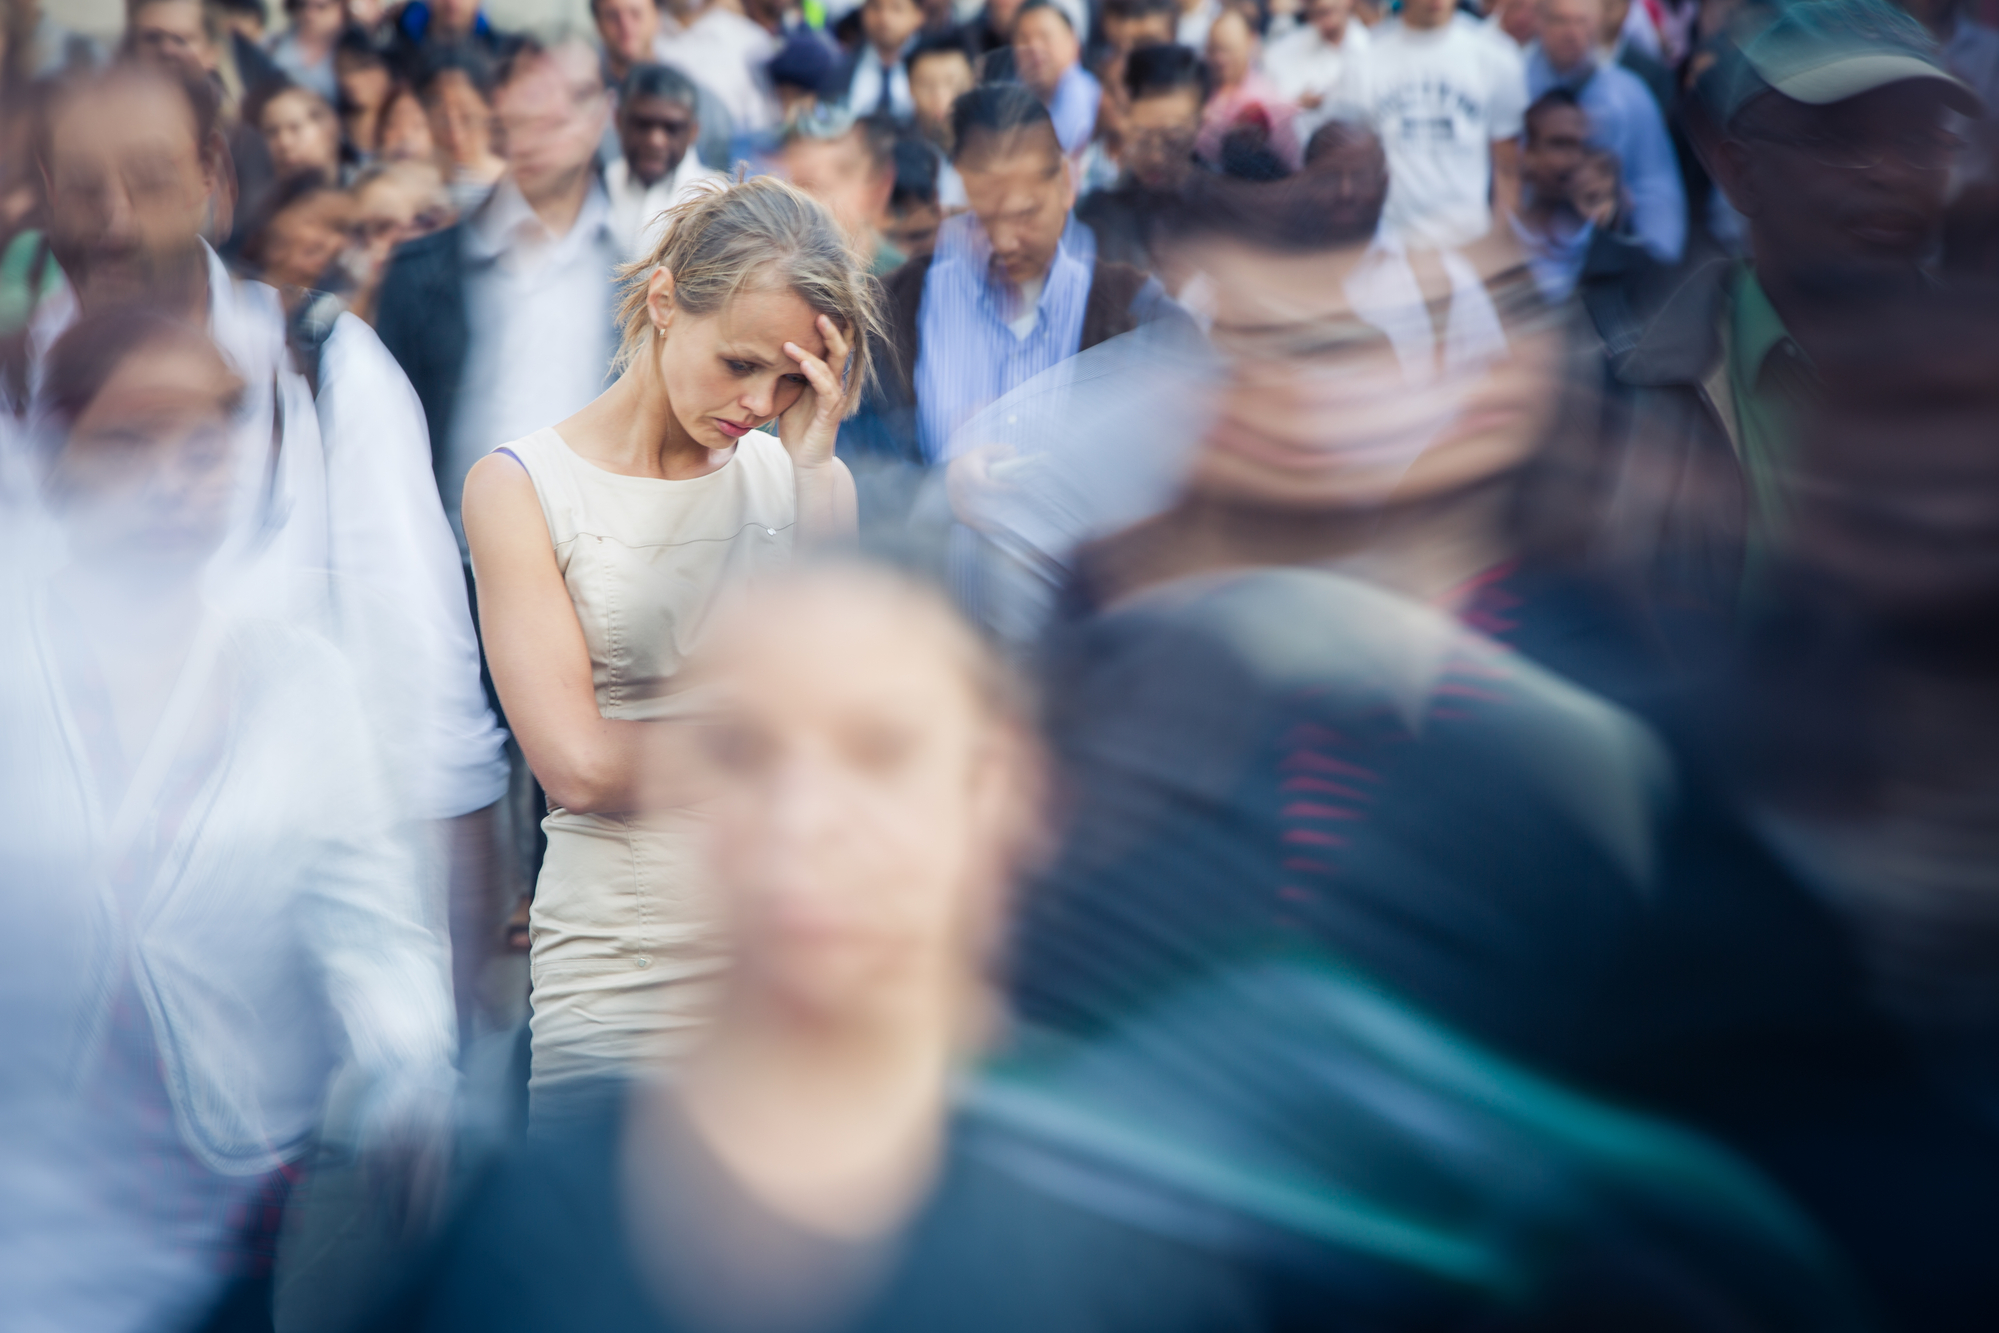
(587, 763)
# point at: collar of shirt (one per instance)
(1769, 378)
(507, 230)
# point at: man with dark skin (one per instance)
(658, 121)
(1165, 90)
(1348, 155)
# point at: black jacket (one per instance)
(422, 321)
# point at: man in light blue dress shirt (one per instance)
(1624, 118)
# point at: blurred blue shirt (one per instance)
(1625, 119)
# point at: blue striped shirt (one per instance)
(967, 355)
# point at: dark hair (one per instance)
(1034, 5)
(915, 174)
(1299, 214)
(1164, 68)
(455, 59)
(253, 8)
(998, 111)
(90, 351)
(660, 81)
(1557, 98)
(1134, 9)
(356, 41)
(954, 42)
(1337, 134)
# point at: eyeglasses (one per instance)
(1919, 150)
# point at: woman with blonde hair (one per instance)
(599, 545)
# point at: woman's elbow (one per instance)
(581, 788)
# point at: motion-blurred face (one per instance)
(460, 122)
(1557, 139)
(841, 174)
(1595, 189)
(304, 241)
(1570, 30)
(128, 188)
(301, 134)
(1159, 139)
(316, 21)
(1425, 14)
(1854, 183)
(1322, 412)
(365, 82)
(914, 230)
(935, 82)
(860, 803)
(396, 208)
(890, 23)
(1044, 49)
(1358, 167)
(1231, 49)
(145, 474)
(655, 135)
(1020, 188)
(726, 373)
(551, 118)
(1329, 19)
(172, 32)
(628, 29)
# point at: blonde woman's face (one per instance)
(727, 373)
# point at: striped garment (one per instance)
(967, 355)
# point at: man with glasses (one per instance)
(658, 121)
(1828, 130)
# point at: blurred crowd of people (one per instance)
(1045, 664)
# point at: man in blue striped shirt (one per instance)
(1014, 286)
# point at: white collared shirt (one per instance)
(1303, 62)
(636, 206)
(540, 310)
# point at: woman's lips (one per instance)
(732, 429)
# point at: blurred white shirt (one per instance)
(636, 206)
(1302, 64)
(726, 54)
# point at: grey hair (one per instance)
(754, 234)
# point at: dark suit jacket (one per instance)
(421, 320)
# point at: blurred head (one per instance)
(1857, 184)
(1232, 48)
(404, 134)
(456, 100)
(363, 76)
(551, 112)
(1347, 157)
(1614, 14)
(1518, 19)
(131, 160)
(243, 16)
(1329, 18)
(143, 475)
(316, 21)
(305, 233)
(1570, 32)
(913, 212)
(1322, 409)
(627, 28)
(1168, 89)
(1000, 16)
(395, 202)
(452, 20)
(940, 72)
(738, 272)
(180, 33)
(1044, 46)
(889, 24)
(874, 785)
(657, 120)
(1425, 14)
(851, 172)
(1016, 178)
(1597, 190)
(1131, 24)
(1555, 138)
(301, 133)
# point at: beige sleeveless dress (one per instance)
(625, 944)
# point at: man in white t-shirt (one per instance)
(1317, 64)
(1446, 100)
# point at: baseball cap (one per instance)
(1822, 51)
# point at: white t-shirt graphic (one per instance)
(1439, 98)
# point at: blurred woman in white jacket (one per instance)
(208, 910)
